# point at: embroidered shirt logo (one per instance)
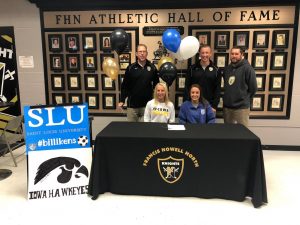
(231, 80)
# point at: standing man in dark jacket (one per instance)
(207, 75)
(138, 84)
(239, 87)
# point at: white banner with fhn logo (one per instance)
(58, 149)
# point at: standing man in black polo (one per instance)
(239, 87)
(138, 84)
(207, 75)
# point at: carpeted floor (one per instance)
(283, 184)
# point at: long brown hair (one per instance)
(201, 98)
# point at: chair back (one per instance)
(14, 125)
(12, 135)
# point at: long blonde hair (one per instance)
(166, 93)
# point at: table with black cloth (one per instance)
(207, 161)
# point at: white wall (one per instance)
(283, 132)
(25, 19)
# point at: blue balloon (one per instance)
(171, 39)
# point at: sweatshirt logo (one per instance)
(149, 68)
(231, 80)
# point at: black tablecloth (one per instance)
(209, 161)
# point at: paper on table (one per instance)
(176, 127)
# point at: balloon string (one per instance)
(181, 68)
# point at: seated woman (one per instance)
(196, 110)
(160, 108)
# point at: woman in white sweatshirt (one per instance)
(160, 109)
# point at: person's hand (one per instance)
(214, 110)
(120, 105)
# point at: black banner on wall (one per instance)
(9, 86)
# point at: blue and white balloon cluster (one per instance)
(180, 49)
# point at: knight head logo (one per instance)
(68, 166)
(170, 169)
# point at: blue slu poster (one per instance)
(58, 149)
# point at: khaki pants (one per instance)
(135, 114)
(240, 116)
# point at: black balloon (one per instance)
(119, 40)
(168, 72)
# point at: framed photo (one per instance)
(261, 39)
(280, 39)
(105, 44)
(73, 62)
(103, 56)
(222, 39)
(120, 81)
(124, 60)
(92, 100)
(178, 100)
(241, 39)
(259, 61)
(56, 62)
(257, 103)
(75, 98)
(129, 46)
(90, 62)
(58, 81)
(124, 65)
(125, 57)
(278, 60)
(261, 81)
(107, 83)
(275, 102)
(72, 42)
(58, 98)
(109, 101)
(55, 42)
(220, 105)
(74, 82)
(89, 42)
(221, 59)
(180, 81)
(277, 82)
(91, 82)
(203, 37)
(222, 83)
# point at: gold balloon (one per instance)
(163, 60)
(111, 67)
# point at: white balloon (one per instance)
(177, 55)
(189, 46)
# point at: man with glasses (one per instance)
(138, 84)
